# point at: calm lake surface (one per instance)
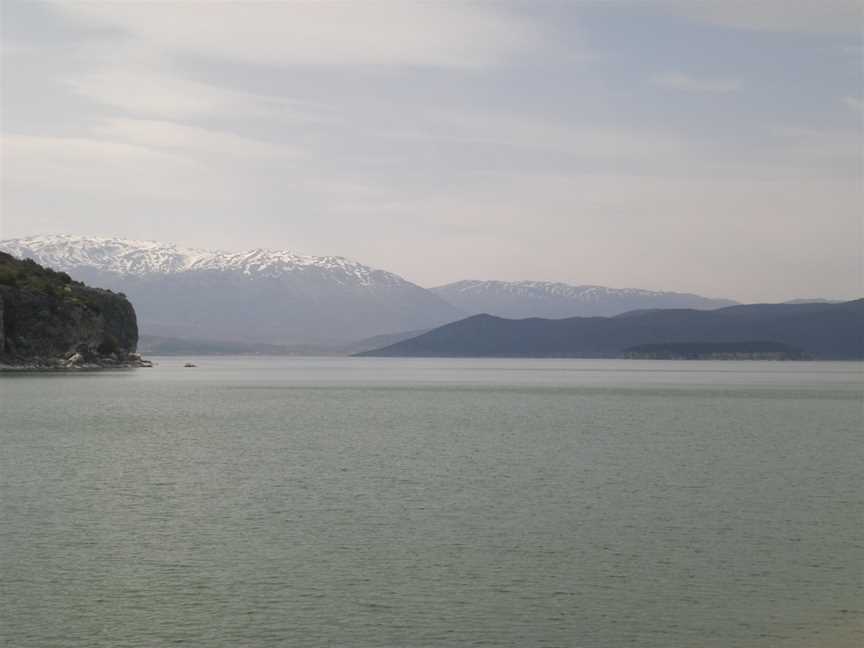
(424, 503)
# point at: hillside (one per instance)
(517, 299)
(47, 319)
(271, 296)
(823, 331)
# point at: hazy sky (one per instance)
(712, 147)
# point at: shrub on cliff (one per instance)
(29, 275)
(45, 314)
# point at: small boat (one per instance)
(189, 364)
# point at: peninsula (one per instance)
(50, 321)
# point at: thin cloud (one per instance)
(85, 164)
(189, 140)
(132, 55)
(145, 91)
(535, 132)
(374, 32)
(790, 16)
(855, 103)
(140, 81)
(686, 83)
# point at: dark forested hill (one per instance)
(823, 331)
(47, 319)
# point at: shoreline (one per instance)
(76, 362)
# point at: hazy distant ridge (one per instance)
(556, 300)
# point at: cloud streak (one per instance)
(791, 16)
(855, 103)
(685, 83)
(373, 32)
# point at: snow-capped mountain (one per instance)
(555, 300)
(260, 295)
(142, 258)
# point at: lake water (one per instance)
(423, 503)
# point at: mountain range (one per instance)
(255, 296)
(556, 300)
(821, 330)
(284, 298)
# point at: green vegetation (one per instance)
(46, 318)
(29, 275)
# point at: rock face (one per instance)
(48, 320)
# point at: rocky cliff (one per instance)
(49, 320)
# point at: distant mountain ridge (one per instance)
(142, 258)
(328, 303)
(823, 331)
(558, 300)
(271, 296)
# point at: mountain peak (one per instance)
(140, 258)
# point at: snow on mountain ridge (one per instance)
(139, 258)
(521, 299)
(542, 289)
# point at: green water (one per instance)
(420, 503)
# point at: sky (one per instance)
(707, 147)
